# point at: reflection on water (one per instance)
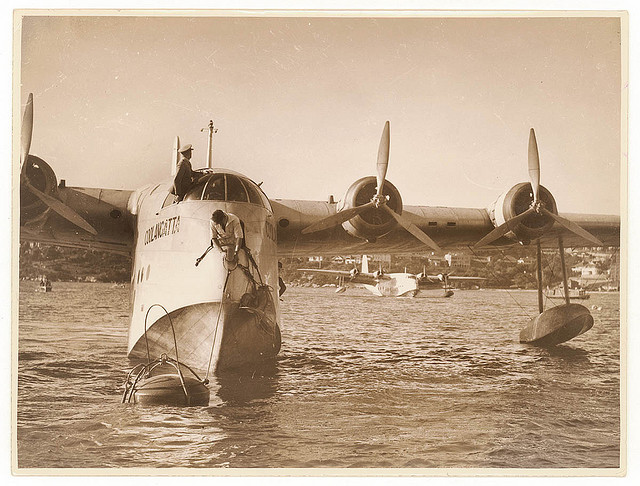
(241, 389)
(361, 381)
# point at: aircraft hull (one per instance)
(211, 336)
(396, 285)
(211, 317)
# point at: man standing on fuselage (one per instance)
(184, 174)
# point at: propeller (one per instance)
(536, 205)
(337, 218)
(534, 166)
(383, 160)
(51, 202)
(503, 229)
(571, 226)
(379, 200)
(26, 131)
(413, 229)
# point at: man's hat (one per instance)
(185, 148)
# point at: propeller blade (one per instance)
(534, 165)
(573, 227)
(383, 158)
(62, 209)
(27, 130)
(413, 229)
(503, 229)
(336, 219)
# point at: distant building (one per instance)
(586, 270)
(614, 271)
(458, 260)
(437, 261)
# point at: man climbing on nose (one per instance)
(226, 233)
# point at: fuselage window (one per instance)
(214, 189)
(235, 189)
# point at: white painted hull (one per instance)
(397, 285)
(201, 304)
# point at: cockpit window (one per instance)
(235, 189)
(265, 200)
(214, 189)
(224, 187)
(254, 194)
(195, 193)
(169, 200)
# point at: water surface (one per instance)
(361, 381)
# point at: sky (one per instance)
(300, 102)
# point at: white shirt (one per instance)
(228, 235)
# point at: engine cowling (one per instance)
(373, 222)
(41, 176)
(516, 201)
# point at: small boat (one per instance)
(45, 286)
(574, 294)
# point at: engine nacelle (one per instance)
(374, 222)
(41, 176)
(516, 201)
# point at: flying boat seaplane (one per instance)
(392, 284)
(223, 314)
(445, 280)
(380, 283)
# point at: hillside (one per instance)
(72, 264)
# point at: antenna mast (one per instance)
(211, 129)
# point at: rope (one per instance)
(551, 268)
(498, 278)
(215, 333)
(146, 339)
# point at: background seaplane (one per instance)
(380, 283)
(392, 284)
(445, 280)
(221, 315)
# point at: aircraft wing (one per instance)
(78, 217)
(439, 280)
(106, 211)
(371, 217)
(449, 227)
(360, 278)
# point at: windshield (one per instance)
(227, 187)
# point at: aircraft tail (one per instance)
(365, 264)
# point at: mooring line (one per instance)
(215, 333)
(497, 278)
